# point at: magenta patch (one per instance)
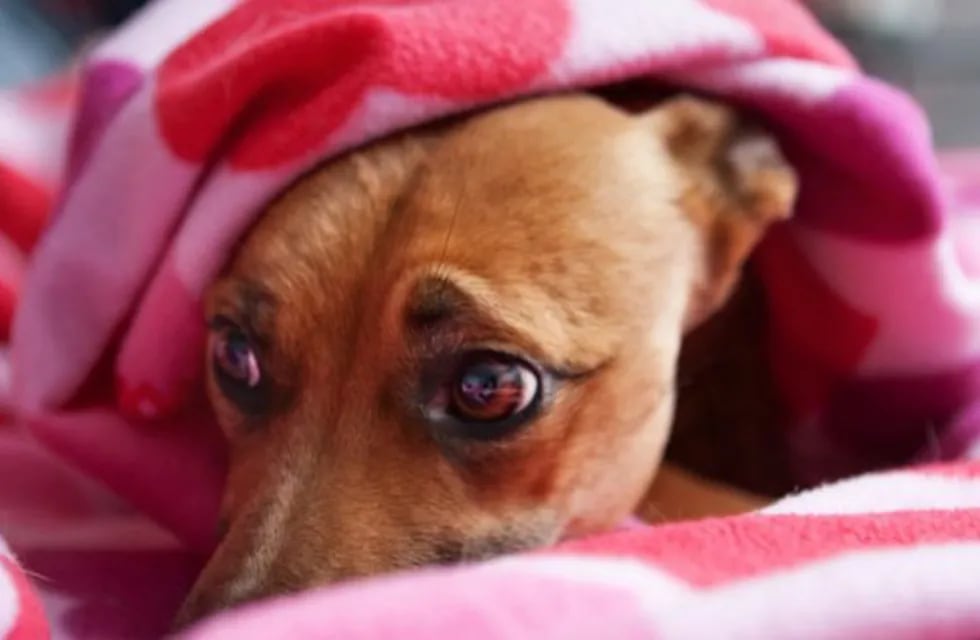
(869, 179)
(107, 86)
(116, 593)
(885, 421)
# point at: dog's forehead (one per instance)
(541, 174)
(329, 220)
(567, 146)
(536, 189)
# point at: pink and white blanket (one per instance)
(146, 170)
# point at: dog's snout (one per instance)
(228, 582)
(196, 608)
(455, 550)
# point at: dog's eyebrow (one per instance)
(434, 300)
(251, 305)
(453, 302)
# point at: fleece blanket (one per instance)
(890, 556)
(146, 171)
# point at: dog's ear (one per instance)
(735, 183)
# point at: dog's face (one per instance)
(462, 341)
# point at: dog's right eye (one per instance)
(235, 358)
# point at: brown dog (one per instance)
(464, 340)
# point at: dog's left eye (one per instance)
(487, 395)
(489, 389)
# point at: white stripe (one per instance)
(607, 34)
(801, 81)
(9, 604)
(597, 571)
(652, 590)
(883, 492)
(924, 592)
(159, 29)
(33, 140)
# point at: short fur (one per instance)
(584, 238)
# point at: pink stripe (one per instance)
(717, 551)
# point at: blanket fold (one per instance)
(152, 161)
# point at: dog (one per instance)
(464, 340)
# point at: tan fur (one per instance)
(562, 229)
(678, 494)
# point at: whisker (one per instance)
(457, 207)
(38, 577)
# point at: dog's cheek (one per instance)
(618, 434)
(235, 424)
(228, 418)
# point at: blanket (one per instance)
(146, 169)
(891, 555)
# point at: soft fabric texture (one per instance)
(21, 615)
(891, 555)
(186, 121)
(902, 573)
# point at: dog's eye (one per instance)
(490, 390)
(234, 358)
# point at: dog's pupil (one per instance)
(235, 357)
(491, 390)
(479, 384)
(236, 354)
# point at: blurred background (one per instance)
(929, 47)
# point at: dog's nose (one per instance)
(228, 582)
(209, 597)
(194, 609)
(202, 603)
